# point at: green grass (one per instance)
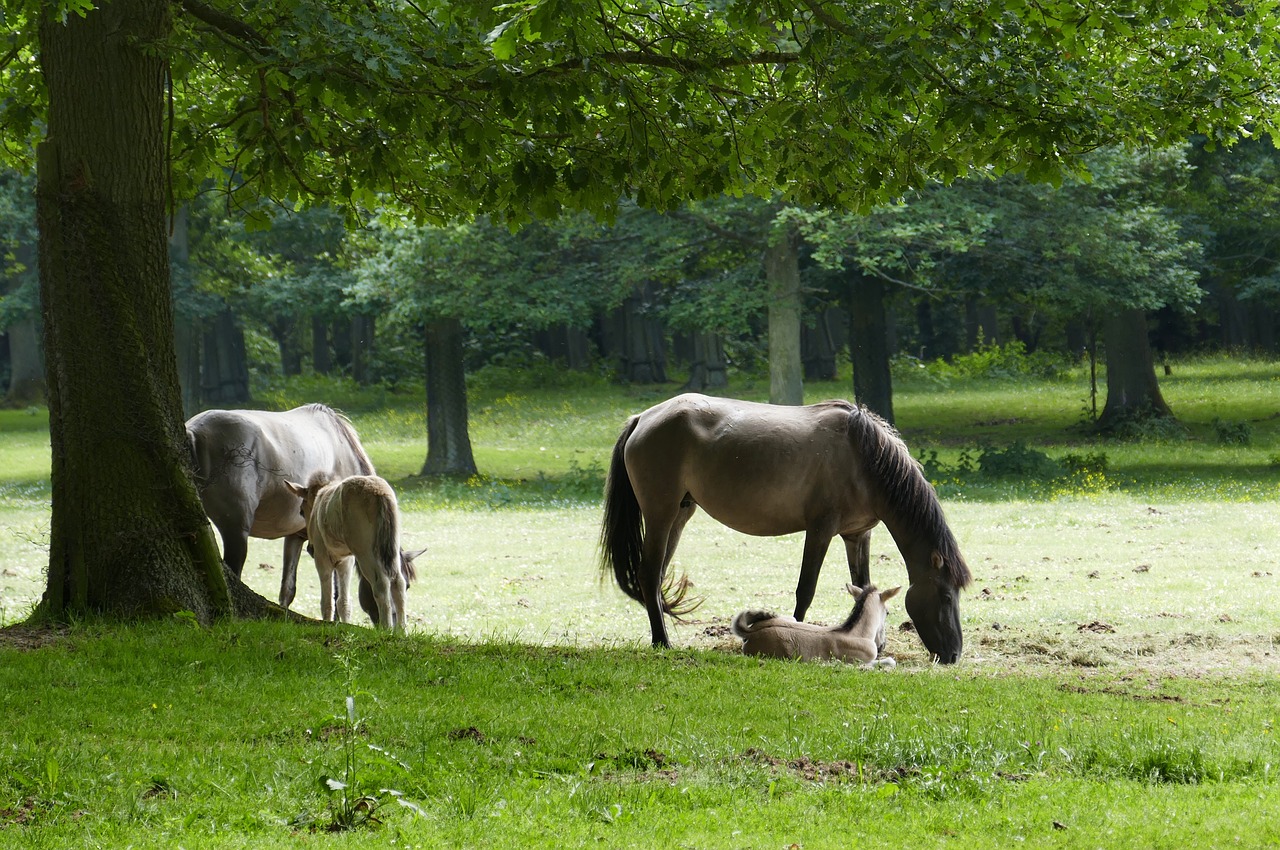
(1119, 684)
(166, 734)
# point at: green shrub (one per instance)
(1230, 433)
(1018, 460)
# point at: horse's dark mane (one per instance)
(347, 431)
(904, 492)
(859, 608)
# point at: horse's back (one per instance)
(759, 468)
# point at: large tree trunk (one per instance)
(869, 345)
(782, 275)
(187, 328)
(448, 443)
(128, 535)
(1132, 388)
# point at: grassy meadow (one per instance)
(1119, 685)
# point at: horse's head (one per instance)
(933, 604)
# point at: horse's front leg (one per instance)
(289, 568)
(857, 548)
(816, 542)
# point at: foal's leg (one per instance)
(858, 549)
(816, 542)
(324, 569)
(342, 586)
(398, 589)
(289, 568)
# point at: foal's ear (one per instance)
(854, 591)
(890, 593)
(296, 489)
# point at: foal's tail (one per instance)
(743, 624)
(622, 535)
(386, 539)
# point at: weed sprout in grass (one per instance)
(352, 801)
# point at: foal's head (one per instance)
(869, 612)
(307, 492)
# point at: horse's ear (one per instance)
(890, 593)
(296, 489)
(409, 556)
(854, 591)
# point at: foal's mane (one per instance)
(859, 608)
(343, 424)
(903, 490)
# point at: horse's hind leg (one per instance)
(289, 568)
(816, 542)
(687, 508)
(857, 548)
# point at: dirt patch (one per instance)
(24, 637)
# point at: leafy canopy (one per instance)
(456, 108)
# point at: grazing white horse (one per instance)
(242, 459)
(859, 639)
(356, 517)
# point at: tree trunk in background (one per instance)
(980, 324)
(564, 344)
(285, 331)
(869, 345)
(26, 360)
(363, 329)
(707, 370)
(640, 342)
(187, 329)
(321, 363)
(341, 335)
(1133, 390)
(448, 443)
(128, 535)
(225, 381)
(26, 366)
(782, 276)
(929, 348)
(818, 346)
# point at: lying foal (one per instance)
(859, 638)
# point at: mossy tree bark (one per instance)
(129, 536)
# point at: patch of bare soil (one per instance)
(24, 637)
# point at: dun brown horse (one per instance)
(859, 638)
(826, 469)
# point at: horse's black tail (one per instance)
(622, 531)
(622, 537)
